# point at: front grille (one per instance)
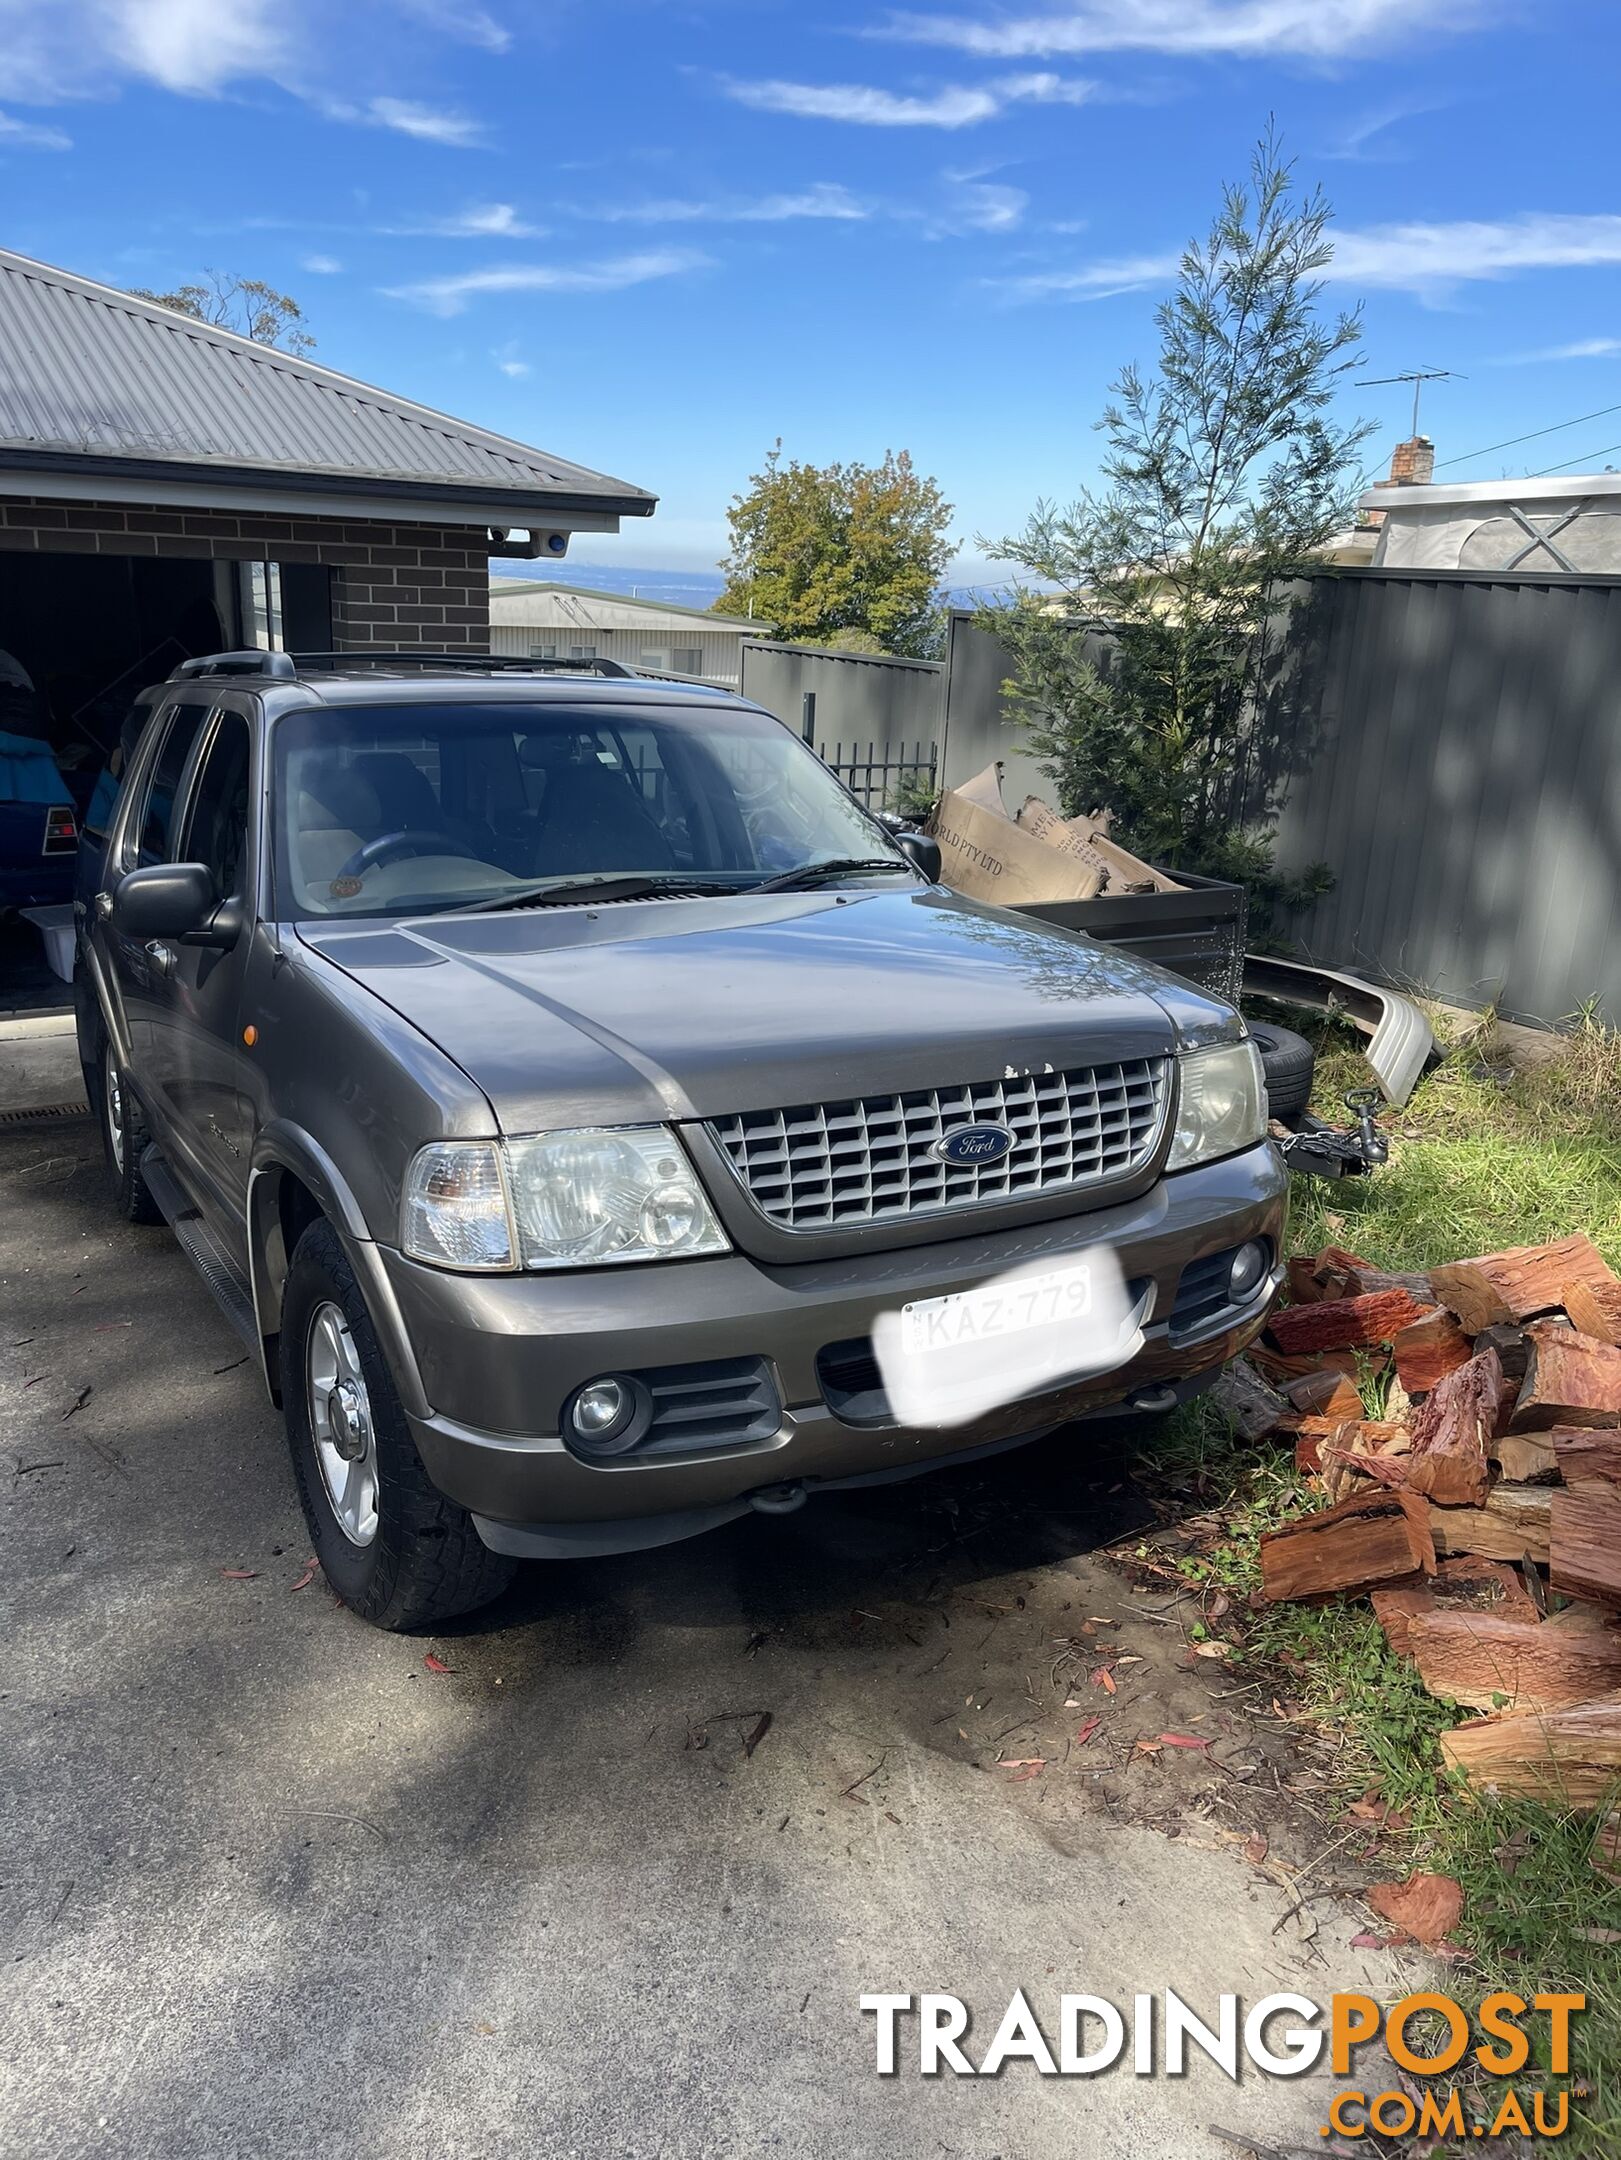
(729, 1402)
(1202, 1293)
(821, 1166)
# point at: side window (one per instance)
(217, 822)
(152, 834)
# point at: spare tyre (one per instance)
(1289, 1062)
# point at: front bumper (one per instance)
(493, 1359)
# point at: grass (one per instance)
(1484, 1156)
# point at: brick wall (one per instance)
(401, 585)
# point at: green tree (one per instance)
(1146, 652)
(832, 555)
(248, 306)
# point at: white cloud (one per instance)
(1424, 259)
(472, 25)
(975, 204)
(450, 295)
(864, 105)
(426, 123)
(507, 360)
(1593, 348)
(822, 199)
(479, 221)
(321, 265)
(1305, 29)
(23, 135)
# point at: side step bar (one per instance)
(203, 1249)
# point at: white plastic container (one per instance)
(55, 926)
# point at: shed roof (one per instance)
(538, 603)
(1567, 487)
(99, 387)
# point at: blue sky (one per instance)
(653, 235)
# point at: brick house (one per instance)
(168, 488)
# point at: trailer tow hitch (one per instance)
(1331, 1151)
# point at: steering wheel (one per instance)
(411, 841)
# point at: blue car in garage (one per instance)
(39, 819)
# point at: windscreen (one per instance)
(413, 809)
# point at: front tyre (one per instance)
(125, 1137)
(393, 1547)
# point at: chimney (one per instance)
(1412, 463)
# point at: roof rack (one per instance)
(235, 663)
(481, 663)
(287, 667)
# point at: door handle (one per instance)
(104, 907)
(162, 957)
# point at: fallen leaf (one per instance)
(757, 1735)
(84, 1396)
(1598, 1935)
(438, 1665)
(1427, 1906)
(1023, 1777)
(1182, 1739)
(240, 1574)
(1149, 1747)
(308, 1575)
(1255, 1848)
(1369, 1941)
(1212, 1649)
(1021, 1762)
(1130, 1661)
(1085, 1730)
(1104, 1679)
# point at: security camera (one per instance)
(554, 543)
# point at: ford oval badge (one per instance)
(972, 1147)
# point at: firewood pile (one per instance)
(1481, 1510)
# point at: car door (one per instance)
(143, 832)
(198, 1059)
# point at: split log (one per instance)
(1274, 1366)
(1304, 1288)
(1428, 1350)
(1582, 1451)
(1516, 1284)
(1345, 1323)
(1249, 1405)
(1371, 1539)
(1512, 1344)
(1491, 1662)
(1570, 1758)
(1461, 1585)
(1360, 1449)
(1450, 1429)
(1525, 1458)
(1569, 1380)
(1324, 1394)
(1513, 1524)
(1594, 1309)
(1585, 1540)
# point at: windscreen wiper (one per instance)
(608, 885)
(814, 873)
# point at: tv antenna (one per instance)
(1418, 377)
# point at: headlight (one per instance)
(560, 1200)
(1220, 1103)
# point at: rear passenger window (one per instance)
(217, 825)
(157, 833)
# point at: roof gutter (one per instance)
(79, 476)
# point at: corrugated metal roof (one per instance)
(91, 372)
(533, 604)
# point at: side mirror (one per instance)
(174, 900)
(924, 850)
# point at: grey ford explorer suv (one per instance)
(559, 1077)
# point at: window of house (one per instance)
(582, 652)
(689, 660)
(653, 656)
(543, 652)
(217, 825)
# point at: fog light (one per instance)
(1249, 1266)
(606, 1417)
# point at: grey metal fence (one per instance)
(1458, 767)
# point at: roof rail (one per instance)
(250, 662)
(484, 663)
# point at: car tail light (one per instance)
(61, 830)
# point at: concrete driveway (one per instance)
(271, 1884)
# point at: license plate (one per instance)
(997, 1310)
